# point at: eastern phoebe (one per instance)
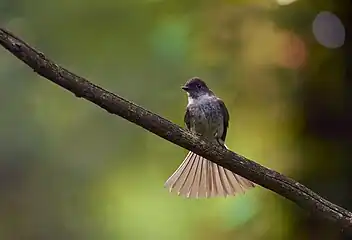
(197, 177)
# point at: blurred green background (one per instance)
(69, 170)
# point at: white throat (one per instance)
(199, 99)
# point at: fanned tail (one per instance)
(198, 177)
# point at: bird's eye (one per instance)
(199, 86)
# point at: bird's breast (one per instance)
(206, 117)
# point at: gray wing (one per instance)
(226, 115)
(187, 119)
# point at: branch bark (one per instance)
(236, 163)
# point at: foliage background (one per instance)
(68, 170)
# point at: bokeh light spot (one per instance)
(328, 30)
(285, 2)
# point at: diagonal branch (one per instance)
(236, 163)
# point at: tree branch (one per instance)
(236, 163)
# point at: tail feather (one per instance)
(203, 183)
(195, 186)
(181, 178)
(228, 189)
(180, 170)
(198, 177)
(189, 177)
(216, 179)
(210, 190)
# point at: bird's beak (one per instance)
(185, 88)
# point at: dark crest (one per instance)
(195, 84)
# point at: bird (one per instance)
(197, 177)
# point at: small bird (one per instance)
(197, 177)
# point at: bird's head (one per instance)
(195, 87)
